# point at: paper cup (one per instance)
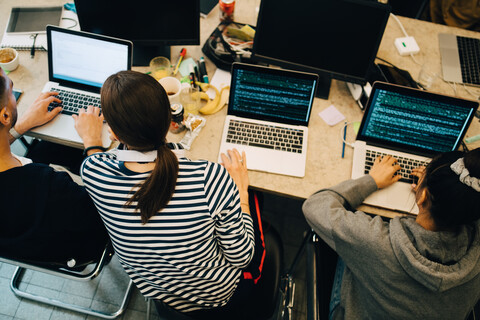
(8, 59)
(173, 87)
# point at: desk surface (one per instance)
(325, 167)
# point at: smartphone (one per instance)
(17, 93)
(397, 76)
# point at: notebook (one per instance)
(26, 27)
(268, 114)
(460, 58)
(412, 124)
(78, 64)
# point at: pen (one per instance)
(200, 73)
(197, 76)
(192, 76)
(344, 137)
(32, 51)
(203, 70)
(183, 52)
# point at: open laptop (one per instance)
(78, 64)
(408, 124)
(460, 58)
(268, 114)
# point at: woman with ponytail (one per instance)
(181, 229)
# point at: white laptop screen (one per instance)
(415, 119)
(272, 94)
(85, 60)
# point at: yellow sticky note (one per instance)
(356, 126)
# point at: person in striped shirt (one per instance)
(181, 229)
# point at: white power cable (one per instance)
(343, 128)
(400, 24)
(406, 35)
(476, 95)
(451, 84)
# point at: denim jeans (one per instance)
(337, 286)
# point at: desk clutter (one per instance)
(197, 93)
(189, 96)
(230, 42)
(25, 29)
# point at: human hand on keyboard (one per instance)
(417, 172)
(384, 171)
(37, 114)
(89, 125)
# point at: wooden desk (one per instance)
(325, 167)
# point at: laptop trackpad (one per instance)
(398, 196)
(62, 128)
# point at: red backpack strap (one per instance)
(254, 269)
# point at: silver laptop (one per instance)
(460, 58)
(413, 126)
(78, 64)
(268, 114)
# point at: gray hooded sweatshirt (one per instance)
(396, 269)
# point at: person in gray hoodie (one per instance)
(423, 267)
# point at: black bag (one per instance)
(222, 53)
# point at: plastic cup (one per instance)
(160, 67)
(426, 77)
(190, 99)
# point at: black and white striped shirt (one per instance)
(190, 255)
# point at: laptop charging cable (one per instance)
(343, 135)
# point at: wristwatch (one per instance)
(14, 133)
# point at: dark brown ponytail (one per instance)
(155, 193)
(137, 109)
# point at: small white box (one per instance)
(406, 46)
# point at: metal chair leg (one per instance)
(287, 289)
(14, 286)
(312, 281)
(149, 306)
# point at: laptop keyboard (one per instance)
(469, 52)
(265, 136)
(407, 165)
(72, 102)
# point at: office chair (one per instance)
(475, 313)
(84, 272)
(266, 300)
(321, 266)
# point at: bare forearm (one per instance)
(244, 204)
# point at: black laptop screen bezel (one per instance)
(464, 103)
(77, 85)
(282, 72)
